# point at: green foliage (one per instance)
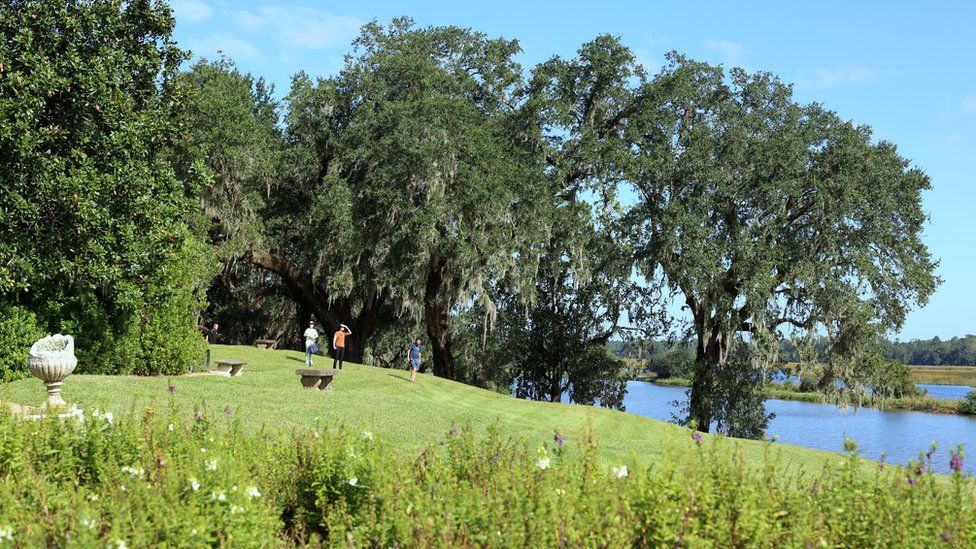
(968, 406)
(95, 224)
(762, 212)
(170, 479)
(18, 331)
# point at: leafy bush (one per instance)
(18, 331)
(168, 480)
(968, 406)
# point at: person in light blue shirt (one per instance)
(413, 359)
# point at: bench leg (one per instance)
(236, 371)
(326, 383)
(311, 382)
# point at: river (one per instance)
(900, 435)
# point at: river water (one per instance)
(899, 435)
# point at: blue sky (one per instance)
(905, 68)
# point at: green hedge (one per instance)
(164, 480)
(18, 331)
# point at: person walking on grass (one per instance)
(413, 359)
(339, 344)
(310, 347)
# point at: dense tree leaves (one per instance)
(93, 221)
(765, 213)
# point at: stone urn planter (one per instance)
(51, 360)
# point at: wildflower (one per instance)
(120, 544)
(203, 450)
(253, 492)
(453, 431)
(543, 463)
(134, 471)
(88, 523)
(353, 481)
(494, 458)
(911, 481)
(7, 534)
(170, 426)
(93, 497)
(558, 440)
(233, 488)
(696, 436)
(218, 496)
(928, 455)
(955, 461)
(212, 465)
(194, 484)
(367, 435)
(171, 388)
(228, 410)
(235, 509)
(560, 492)
(620, 472)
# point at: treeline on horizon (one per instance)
(435, 187)
(956, 351)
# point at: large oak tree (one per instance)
(764, 213)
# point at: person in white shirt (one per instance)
(310, 347)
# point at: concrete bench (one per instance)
(230, 368)
(265, 343)
(314, 378)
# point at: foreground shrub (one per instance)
(169, 480)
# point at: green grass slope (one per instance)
(412, 415)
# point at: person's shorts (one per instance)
(414, 364)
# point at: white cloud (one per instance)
(300, 26)
(192, 11)
(232, 47)
(969, 104)
(845, 75)
(729, 52)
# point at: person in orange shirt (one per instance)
(339, 344)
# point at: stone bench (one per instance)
(230, 368)
(265, 343)
(314, 378)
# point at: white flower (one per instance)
(353, 481)
(194, 484)
(212, 465)
(543, 463)
(123, 487)
(93, 497)
(620, 472)
(233, 488)
(235, 509)
(109, 417)
(193, 532)
(253, 492)
(203, 450)
(88, 523)
(219, 497)
(136, 472)
(560, 492)
(7, 534)
(170, 426)
(367, 435)
(120, 544)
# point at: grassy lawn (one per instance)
(944, 375)
(412, 415)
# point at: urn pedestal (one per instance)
(51, 360)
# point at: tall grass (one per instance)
(171, 480)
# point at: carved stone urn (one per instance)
(51, 360)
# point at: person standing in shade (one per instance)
(310, 347)
(339, 344)
(413, 359)
(213, 334)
